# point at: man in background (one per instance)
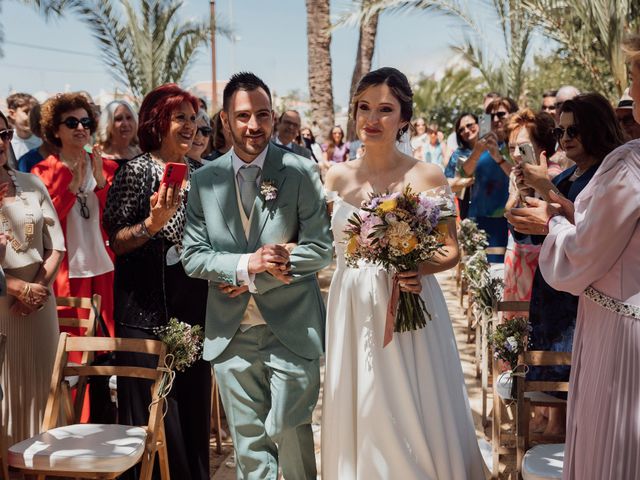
(549, 102)
(624, 114)
(287, 131)
(19, 105)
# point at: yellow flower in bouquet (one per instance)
(352, 246)
(388, 205)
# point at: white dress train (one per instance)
(399, 412)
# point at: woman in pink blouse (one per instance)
(593, 250)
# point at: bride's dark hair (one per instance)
(397, 83)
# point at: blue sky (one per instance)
(272, 43)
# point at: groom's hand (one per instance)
(270, 257)
(232, 291)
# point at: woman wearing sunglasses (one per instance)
(117, 133)
(33, 251)
(201, 140)
(78, 183)
(491, 170)
(587, 131)
(466, 129)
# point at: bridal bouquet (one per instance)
(183, 341)
(399, 231)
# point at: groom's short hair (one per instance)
(242, 81)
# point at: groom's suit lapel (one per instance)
(274, 172)
(224, 186)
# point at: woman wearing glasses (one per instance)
(588, 131)
(201, 140)
(491, 171)
(78, 183)
(117, 133)
(33, 251)
(466, 129)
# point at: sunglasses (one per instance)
(500, 115)
(6, 135)
(73, 122)
(571, 131)
(466, 127)
(205, 131)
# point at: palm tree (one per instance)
(319, 60)
(442, 99)
(591, 33)
(146, 49)
(364, 55)
(507, 74)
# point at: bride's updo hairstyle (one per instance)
(399, 86)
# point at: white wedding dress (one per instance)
(399, 412)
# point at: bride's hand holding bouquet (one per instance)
(402, 233)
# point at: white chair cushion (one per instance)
(543, 462)
(81, 448)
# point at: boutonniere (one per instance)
(268, 190)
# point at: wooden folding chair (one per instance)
(98, 451)
(4, 466)
(87, 328)
(502, 443)
(544, 460)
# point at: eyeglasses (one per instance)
(6, 135)
(73, 122)
(500, 115)
(466, 127)
(84, 208)
(571, 131)
(205, 131)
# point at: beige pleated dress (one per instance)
(32, 339)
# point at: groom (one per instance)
(257, 228)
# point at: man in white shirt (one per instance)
(19, 105)
(287, 130)
(257, 228)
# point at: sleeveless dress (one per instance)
(396, 412)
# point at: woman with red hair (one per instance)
(144, 219)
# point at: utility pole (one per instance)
(214, 92)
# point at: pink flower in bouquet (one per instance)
(369, 223)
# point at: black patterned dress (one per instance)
(150, 287)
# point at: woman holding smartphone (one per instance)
(144, 217)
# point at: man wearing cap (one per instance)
(624, 113)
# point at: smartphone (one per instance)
(527, 153)
(174, 174)
(485, 125)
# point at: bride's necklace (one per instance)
(28, 229)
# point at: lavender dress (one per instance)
(602, 250)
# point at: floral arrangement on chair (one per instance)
(471, 238)
(508, 340)
(183, 341)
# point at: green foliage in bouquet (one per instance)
(183, 341)
(509, 339)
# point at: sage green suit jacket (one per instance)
(214, 240)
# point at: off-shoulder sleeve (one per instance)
(124, 201)
(607, 212)
(52, 235)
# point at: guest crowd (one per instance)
(556, 186)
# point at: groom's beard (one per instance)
(251, 145)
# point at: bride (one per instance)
(400, 411)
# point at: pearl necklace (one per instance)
(28, 229)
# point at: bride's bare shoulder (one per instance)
(339, 175)
(425, 176)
